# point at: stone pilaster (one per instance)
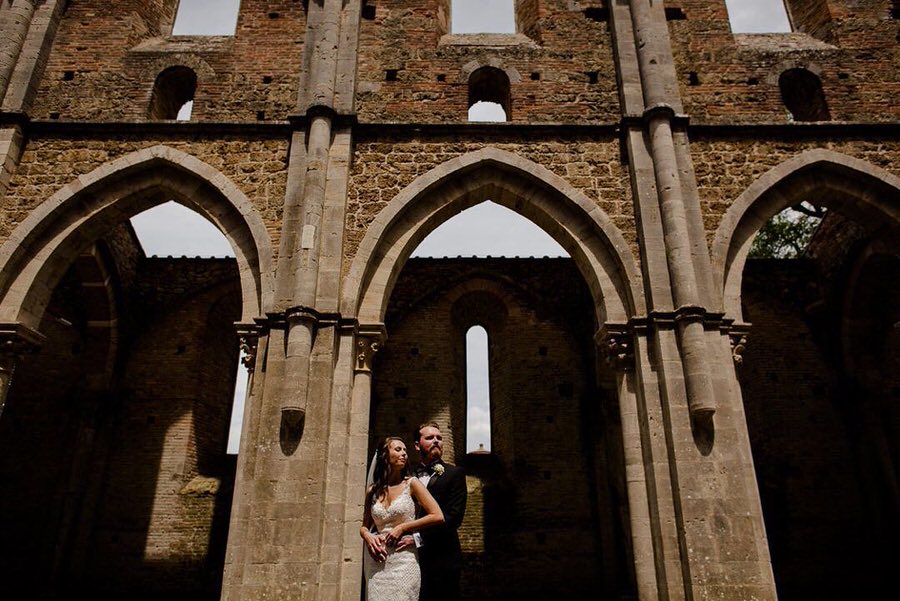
(293, 492)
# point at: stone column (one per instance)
(291, 496)
(706, 528)
(14, 23)
(367, 343)
(23, 63)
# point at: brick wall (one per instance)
(565, 67)
(820, 441)
(126, 489)
(107, 56)
(545, 489)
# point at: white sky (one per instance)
(484, 230)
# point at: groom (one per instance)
(440, 555)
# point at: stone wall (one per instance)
(728, 78)
(820, 440)
(410, 69)
(127, 488)
(106, 58)
(257, 166)
(548, 486)
(384, 164)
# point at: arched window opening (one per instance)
(478, 391)
(206, 17)
(184, 113)
(758, 16)
(173, 90)
(801, 91)
(489, 230)
(476, 16)
(171, 229)
(489, 90)
(788, 234)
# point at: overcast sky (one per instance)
(484, 230)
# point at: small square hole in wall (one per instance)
(368, 11)
(391, 74)
(274, 15)
(401, 419)
(414, 351)
(260, 115)
(593, 76)
(54, 116)
(566, 390)
(600, 15)
(693, 79)
(401, 392)
(542, 351)
(442, 77)
(550, 419)
(68, 75)
(675, 14)
(267, 79)
(843, 76)
(752, 81)
(535, 76)
(541, 538)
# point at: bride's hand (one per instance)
(375, 546)
(394, 535)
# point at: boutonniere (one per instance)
(438, 469)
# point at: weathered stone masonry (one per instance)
(327, 139)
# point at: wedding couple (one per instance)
(416, 514)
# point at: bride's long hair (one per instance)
(382, 471)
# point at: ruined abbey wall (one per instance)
(326, 140)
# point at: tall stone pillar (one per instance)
(703, 518)
(287, 535)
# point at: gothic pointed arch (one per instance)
(590, 237)
(42, 247)
(856, 188)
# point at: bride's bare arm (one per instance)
(432, 517)
(374, 543)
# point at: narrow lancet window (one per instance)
(478, 391)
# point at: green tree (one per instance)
(786, 235)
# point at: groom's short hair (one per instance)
(418, 433)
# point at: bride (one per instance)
(391, 565)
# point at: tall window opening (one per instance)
(476, 16)
(478, 391)
(489, 95)
(801, 91)
(171, 229)
(758, 16)
(206, 17)
(173, 94)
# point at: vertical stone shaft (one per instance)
(14, 23)
(679, 259)
(32, 56)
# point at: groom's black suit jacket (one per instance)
(440, 554)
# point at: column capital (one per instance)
(248, 337)
(616, 341)
(738, 334)
(369, 339)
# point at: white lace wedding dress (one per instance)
(397, 578)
